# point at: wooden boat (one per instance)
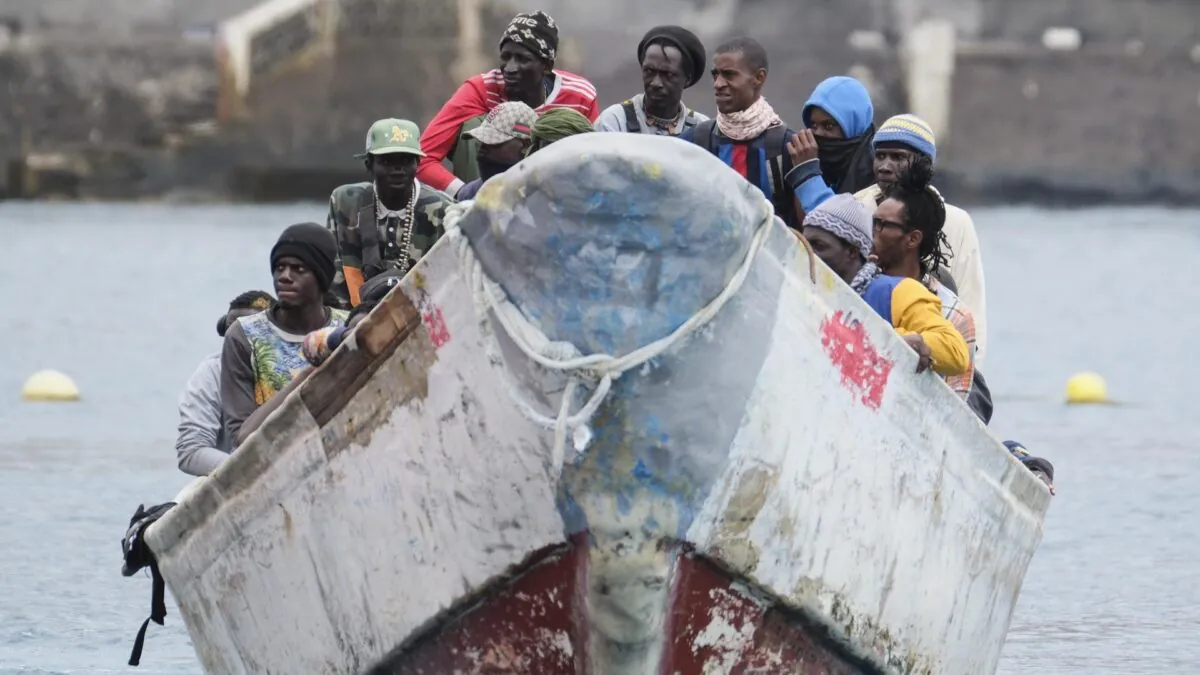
(756, 481)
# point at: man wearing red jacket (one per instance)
(527, 74)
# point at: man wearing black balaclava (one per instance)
(833, 153)
(262, 352)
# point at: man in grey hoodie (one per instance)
(202, 443)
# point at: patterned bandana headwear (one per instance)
(535, 31)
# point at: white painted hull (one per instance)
(401, 482)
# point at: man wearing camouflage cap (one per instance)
(503, 139)
(389, 222)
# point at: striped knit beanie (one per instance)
(845, 218)
(908, 130)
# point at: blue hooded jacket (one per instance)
(847, 101)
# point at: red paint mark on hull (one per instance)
(435, 323)
(864, 370)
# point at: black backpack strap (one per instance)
(158, 613)
(137, 555)
(705, 136)
(632, 125)
(775, 145)
(368, 233)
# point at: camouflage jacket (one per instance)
(353, 206)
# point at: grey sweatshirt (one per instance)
(202, 443)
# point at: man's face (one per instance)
(890, 162)
(394, 170)
(663, 76)
(523, 71)
(735, 86)
(507, 153)
(893, 241)
(295, 284)
(823, 125)
(841, 257)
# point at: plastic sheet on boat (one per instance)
(610, 241)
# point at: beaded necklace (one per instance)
(407, 221)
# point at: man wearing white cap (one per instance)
(389, 222)
(503, 138)
(895, 143)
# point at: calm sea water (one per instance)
(124, 298)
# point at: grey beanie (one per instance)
(845, 218)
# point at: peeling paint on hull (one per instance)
(740, 510)
(535, 621)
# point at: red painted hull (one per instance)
(537, 621)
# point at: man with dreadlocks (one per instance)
(555, 125)
(526, 73)
(899, 140)
(840, 232)
(202, 443)
(672, 59)
(908, 243)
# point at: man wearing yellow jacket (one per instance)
(840, 233)
(898, 141)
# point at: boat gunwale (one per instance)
(330, 388)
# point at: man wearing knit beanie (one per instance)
(896, 142)
(262, 352)
(839, 231)
(672, 59)
(312, 250)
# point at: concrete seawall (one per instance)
(120, 113)
(1098, 124)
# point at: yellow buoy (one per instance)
(1086, 388)
(49, 385)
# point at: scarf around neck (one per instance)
(847, 164)
(866, 274)
(748, 124)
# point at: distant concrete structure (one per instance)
(928, 53)
(134, 98)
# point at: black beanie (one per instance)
(694, 58)
(311, 244)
